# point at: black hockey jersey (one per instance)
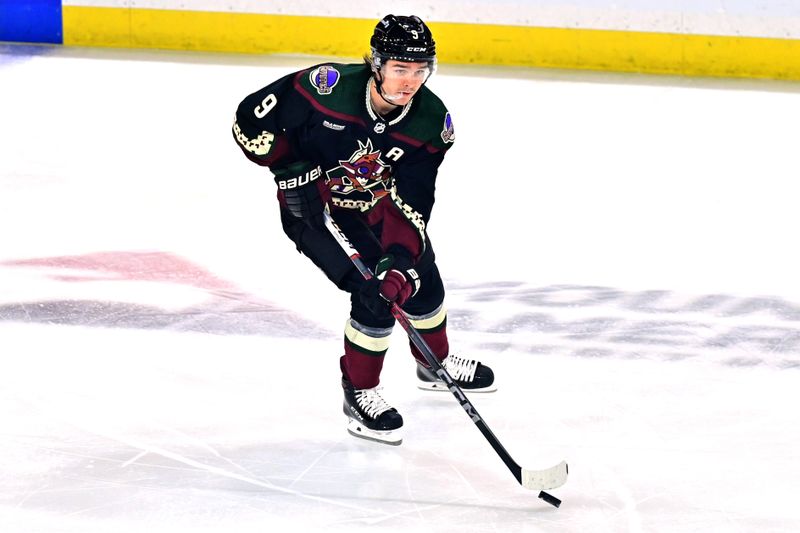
(383, 168)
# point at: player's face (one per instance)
(402, 80)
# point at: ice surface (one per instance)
(618, 248)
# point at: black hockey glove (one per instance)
(395, 281)
(305, 191)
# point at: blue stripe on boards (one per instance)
(31, 21)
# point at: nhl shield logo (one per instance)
(449, 132)
(324, 79)
(380, 127)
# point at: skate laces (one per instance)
(459, 368)
(371, 402)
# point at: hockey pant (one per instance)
(366, 335)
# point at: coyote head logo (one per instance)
(363, 172)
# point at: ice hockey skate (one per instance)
(470, 375)
(370, 417)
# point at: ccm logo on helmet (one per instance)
(299, 181)
(415, 49)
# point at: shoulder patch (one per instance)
(449, 132)
(324, 79)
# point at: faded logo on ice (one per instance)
(597, 322)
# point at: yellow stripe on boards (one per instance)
(746, 57)
(218, 32)
(96, 26)
(622, 51)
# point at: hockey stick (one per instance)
(549, 478)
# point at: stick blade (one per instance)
(550, 478)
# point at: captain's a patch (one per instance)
(324, 79)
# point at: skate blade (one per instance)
(440, 386)
(392, 437)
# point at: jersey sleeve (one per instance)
(416, 182)
(264, 121)
(405, 219)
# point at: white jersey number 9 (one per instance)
(266, 106)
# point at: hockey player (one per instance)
(365, 141)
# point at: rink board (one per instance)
(662, 53)
(460, 43)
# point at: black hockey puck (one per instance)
(549, 498)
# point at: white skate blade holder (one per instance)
(440, 386)
(391, 437)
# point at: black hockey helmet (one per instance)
(402, 39)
